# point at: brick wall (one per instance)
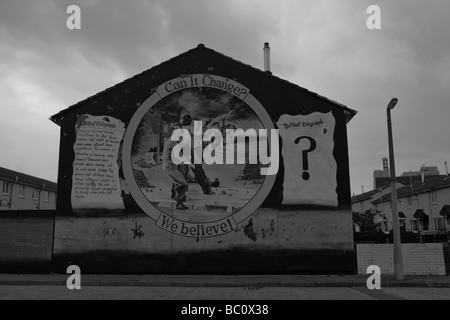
(26, 241)
(418, 259)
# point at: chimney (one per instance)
(446, 168)
(266, 51)
(423, 176)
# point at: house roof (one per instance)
(445, 211)
(385, 198)
(367, 195)
(350, 113)
(383, 182)
(435, 183)
(364, 196)
(25, 179)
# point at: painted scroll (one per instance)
(95, 181)
(309, 164)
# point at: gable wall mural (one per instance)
(262, 186)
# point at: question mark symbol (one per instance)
(312, 147)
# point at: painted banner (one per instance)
(309, 165)
(95, 181)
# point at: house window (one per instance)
(21, 191)
(34, 195)
(414, 225)
(433, 197)
(439, 224)
(415, 197)
(409, 202)
(47, 196)
(5, 189)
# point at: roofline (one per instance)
(350, 113)
(20, 177)
(43, 187)
(412, 193)
(424, 191)
(369, 195)
(365, 198)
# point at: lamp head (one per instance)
(392, 104)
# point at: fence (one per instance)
(406, 237)
(26, 241)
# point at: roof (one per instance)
(25, 179)
(445, 210)
(385, 198)
(367, 195)
(364, 196)
(430, 185)
(383, 182)
(435, 183)
(419, 214)
(401, 215)
(350, 113)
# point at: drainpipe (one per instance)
(11, 194)
(430, 222)
(39, 198)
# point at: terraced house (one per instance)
(24, 192)
(423, 206)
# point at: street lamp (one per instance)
(398, 258)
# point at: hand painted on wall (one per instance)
(108, 230)
(269, 231)
(137, 230)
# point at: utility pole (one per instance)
(398, 257)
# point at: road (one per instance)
(35, 292)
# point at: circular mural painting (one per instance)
(220, 183)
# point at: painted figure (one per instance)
(180, 184)
(200, 175)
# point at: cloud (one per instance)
(322, 45)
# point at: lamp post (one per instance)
(398, 258)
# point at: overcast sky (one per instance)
(322, 45)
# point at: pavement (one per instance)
(230, 281)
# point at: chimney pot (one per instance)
(266, 51)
